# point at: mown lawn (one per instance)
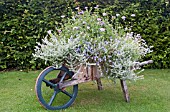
(149, 95)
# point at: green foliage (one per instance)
(152, 21)
(88, 37)
(23, 22)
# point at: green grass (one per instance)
(149, 95)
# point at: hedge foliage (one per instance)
(152, 21)
(24, 22)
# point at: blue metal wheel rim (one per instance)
(39, 91)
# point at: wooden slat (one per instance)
(73, 82)
(85, 74)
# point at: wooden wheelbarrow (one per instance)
(59, 92)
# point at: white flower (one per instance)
(49, 32)
(126, 29)
(113, 17)
(99, 19)
(123, 17)
(77, 8)
(138, 36)
(84, 22)
(133, 15)
(81, 12)
(75, 28)
(97, 6)
(117, 15)
(62, 16)
(59, 31)
(104, 14)
(102, 29)
(86, 8)
(88, 27)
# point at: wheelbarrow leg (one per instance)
(99, 84)
(95, 75)
(125, 90)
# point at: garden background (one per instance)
(25, 22)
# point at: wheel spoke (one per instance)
(60, 97)
(53, 97)
(62, 78)
(67, 93)
(48, 83)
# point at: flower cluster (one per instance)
(88, 37)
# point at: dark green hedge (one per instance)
(24, 22)
(152, 21)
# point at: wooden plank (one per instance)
(125, 90)
(81, 73)
(72, 82)
(85, 74)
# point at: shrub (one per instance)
(152, 21)
(23, 22)
(87, 37)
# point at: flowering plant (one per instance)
(90, 37)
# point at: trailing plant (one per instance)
(89, 37)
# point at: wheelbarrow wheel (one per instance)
(50, 95)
